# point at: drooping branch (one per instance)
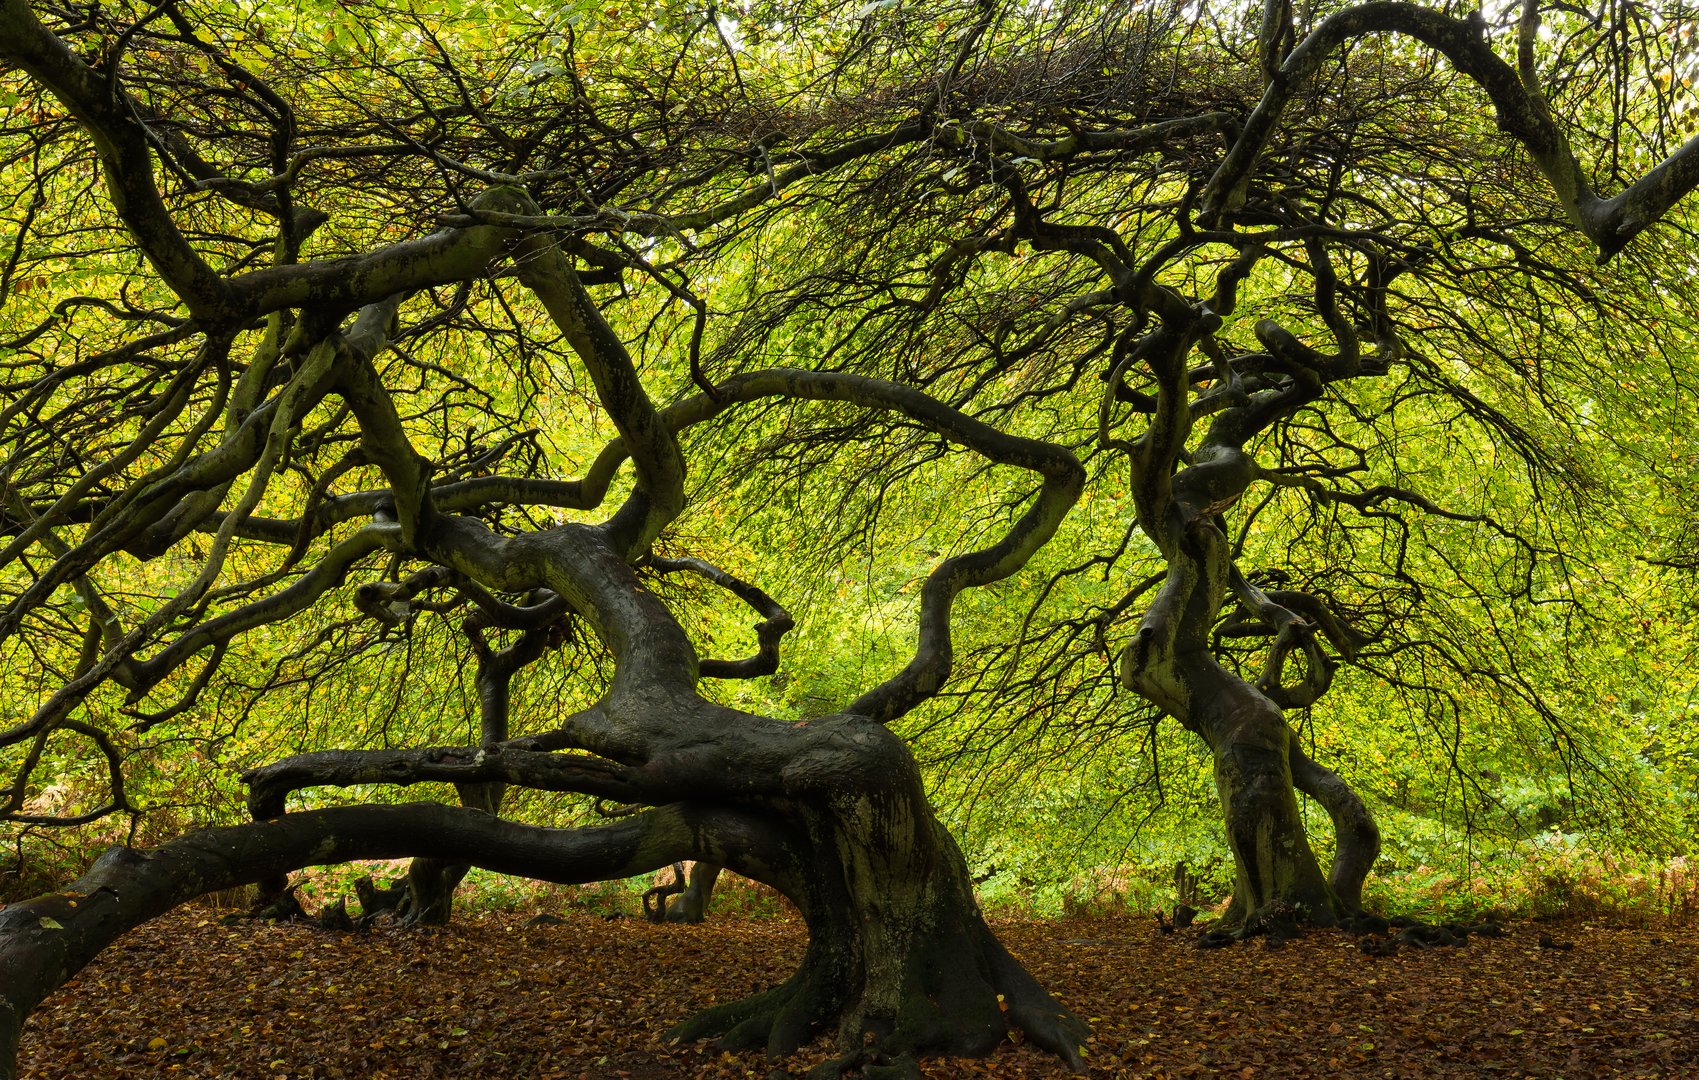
(1062, 480)
(1610, 223)
(810, 164)
(125, 152)
(297, 597)
(306, 386)
(187, 700)
(38, 522)
(257, 443)
(117, 801)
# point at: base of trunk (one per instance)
(955, 992)
(691, 905)
(11, 1030)
(900, 962)
(429, 899)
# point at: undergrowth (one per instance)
(1553, 876)
(1555, 879)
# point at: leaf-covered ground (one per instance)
(188, 997)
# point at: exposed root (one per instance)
(1033, 1011)
(949, 1005)
(780, 1021)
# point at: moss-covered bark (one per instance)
(1275, 868)
(900, 961)
(1259, 770)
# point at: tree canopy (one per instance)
(688, 430)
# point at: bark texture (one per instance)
(900, 958)
(1172, 659)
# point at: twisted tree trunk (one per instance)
(1276, 874)
(900, 958)
(1259, 769)
(1356, 837)
(830, 811)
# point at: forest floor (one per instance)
(188, 997)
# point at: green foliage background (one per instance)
(1515, 743)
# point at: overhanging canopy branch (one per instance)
(1610, 223)
(335, 286)
(125, 153)
(298, 596)
(306, 386)
(161, 509)
(15, 808)
(809, 164)
(1062, 479)
(659, 496)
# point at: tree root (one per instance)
(780, 1021)
(948, 1006)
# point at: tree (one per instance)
(308, 291)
